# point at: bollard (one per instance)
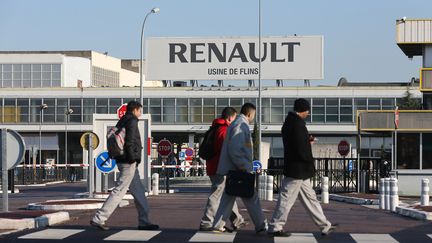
(269, 188)
(394, 197)
(387, 193)
(382, 194)
(324, 190)
(261, 186)
(155, 184)
(425, 192)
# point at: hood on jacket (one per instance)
(220, 122)
(292, 116)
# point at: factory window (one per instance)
(221, 104)
(388, 104)
(168, 110)
(102, 106)
(181, 110)
(427, 151)
(265, 110)
(88, 110)
(9, 111)
(196, 110)
(346, 111)
(30, 75)
(49, 113)
(114, 104)
(237, 103)
(209, 110)
(374, 104)
(155, 110)
(332, 110)
(408, 146)
(35, 111)
(102, 77)
(277, 110)
(23, 109)
(62, 108)
(76, 116)
(318, 110)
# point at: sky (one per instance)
(359, 36)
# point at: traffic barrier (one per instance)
(387, 193)
(425, 192)
(382, 194)
(155, 184)
(52, 165)
(324, 190)
(394, 197)
(262, 181)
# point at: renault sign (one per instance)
(231, 58)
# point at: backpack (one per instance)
(206, 148)
(115, 142)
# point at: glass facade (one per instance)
(183, 110)
(30, 75)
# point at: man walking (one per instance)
(237, 155)
(218, 181)
(129, 176)
(298, 169)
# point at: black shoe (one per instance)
(99, 226)
(241, 225)
(148, 227)
(204, 228)
(279, 234)
(260, 231)
(332, 228)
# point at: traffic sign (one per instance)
(121, 111)
(164, 148)
(189, 152)
(15, 149)
(185, 166)
(84, 140)
(182, 155)
(256, 165)
(343, 148)
(104, 163)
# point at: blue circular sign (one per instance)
(104, 163)
(189, 152)
(257, 165)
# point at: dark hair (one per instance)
(132, 105)
(228, 112)
(301, 105)
(247, 108)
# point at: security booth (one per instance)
(411, 157)
(101, 125)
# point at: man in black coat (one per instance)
(129, 176)
(298, 169)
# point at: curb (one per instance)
(353, 200)
(413, 213)
(16, 190)
(83, 206)
(31, 223)
(99, 196)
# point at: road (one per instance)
(179, 216)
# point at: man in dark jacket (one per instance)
(129, 177)
(229, 114)
(298, 169)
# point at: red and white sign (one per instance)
(164, 148)
(396, 117)
(343, 148)
(189, 152)
(121, 111)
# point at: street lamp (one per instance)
(154, 10)
(41, 108)
(67, 114)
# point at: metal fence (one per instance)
(343, 173)
(39, 175)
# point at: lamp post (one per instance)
(41, 108)
(67, 114)
(259, 82)
(154, 10)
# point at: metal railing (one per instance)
(343, 173)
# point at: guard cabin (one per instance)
(410, 126)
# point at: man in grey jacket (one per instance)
(237, 154)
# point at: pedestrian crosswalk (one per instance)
(191, 236)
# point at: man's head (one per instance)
(229, 114)
(302, 108)
(134, 107)
(249, 110)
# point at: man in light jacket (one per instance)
(237, 154)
